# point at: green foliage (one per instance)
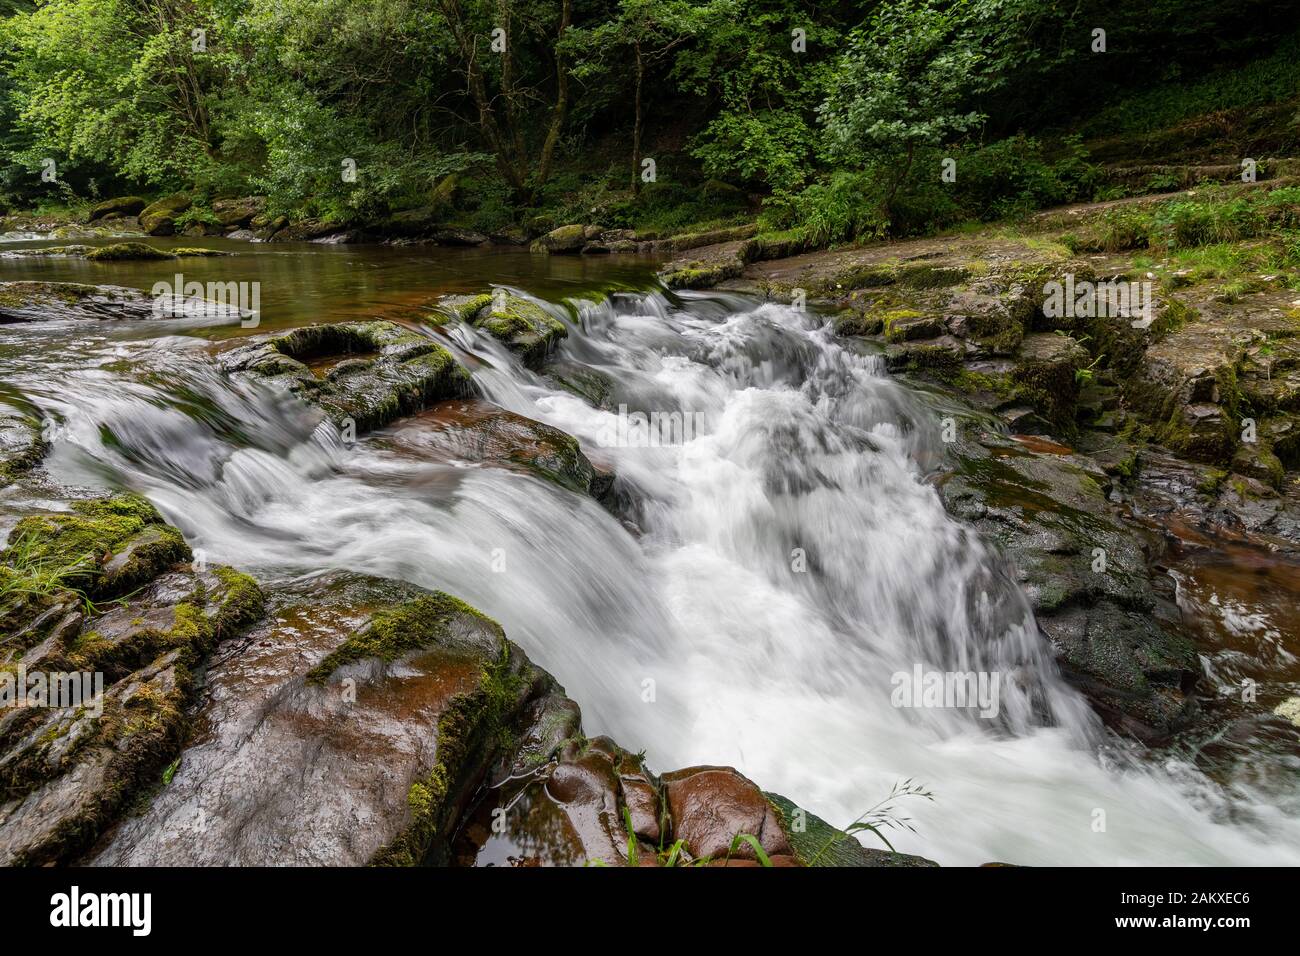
(845, 207)
(1015, 175)
(903, 84)
(839, 113)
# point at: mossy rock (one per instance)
(21, 444)
(159, 218)
(906, 325)
(851, 322)
(38, 301)
(570, 238)
(816, 843)
(127, 252)
(107, 545)
(123, 206)
(1046, 376)
(522, 326)
(363, 374)
(67, 773)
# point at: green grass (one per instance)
(30, 571)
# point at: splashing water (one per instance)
(773, 573)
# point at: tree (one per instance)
(505, 131)
(647, 31)
(904, 83)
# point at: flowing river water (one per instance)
(768, 578)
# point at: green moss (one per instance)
(412, 626)
(931, 277)
(891, 318)
(467, 309)
(197, 251)
(17, 295)
(98, 528)
(972, 382)
(850, 322)
(127, 251)
(940, 362)
(241, 604)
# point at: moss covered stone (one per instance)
(114, 544)
(127, 251)
(523, 326)
(421, 623)
(363, 374)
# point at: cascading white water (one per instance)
(808, 453)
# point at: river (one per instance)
(749, 606)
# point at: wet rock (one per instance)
(21, 444)
(123, 206)
(564, 239)
(73, 760)
(351, 727)
(481, 431)
(159, 218)
(365, 373)
(598, 804)
(1046, 375)
(1086, 574)
(590, 384)
(64, 301)
(523, 326)
(710, 805)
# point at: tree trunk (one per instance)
(636, 125)
(561, 110)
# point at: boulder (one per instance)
(363, 373)
(62, 301)
(121, 207)
(564, 239)
(523, 326)
(238, 212)
(159, 218)
(471, 430)
(357, 740)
